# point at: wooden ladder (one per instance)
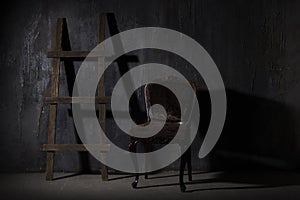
(60, 53)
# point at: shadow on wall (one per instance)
(258, 133)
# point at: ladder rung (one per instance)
(75, 54)
(76, 147)
(69, 100)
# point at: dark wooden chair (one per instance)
(157, 94)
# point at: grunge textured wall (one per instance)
(255, 45)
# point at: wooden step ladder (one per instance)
(62, 52)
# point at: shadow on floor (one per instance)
(119, 176)
(72, 175)
(252, 179)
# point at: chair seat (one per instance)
(164, 136)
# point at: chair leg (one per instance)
(132, 148)
(135, 182)
(189, 163)
(148, 149)
(181, 173)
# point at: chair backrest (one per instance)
(158, 94)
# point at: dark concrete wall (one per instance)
(255, 45)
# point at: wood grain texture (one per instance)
(75, 54)
(54, 93)
(101, 91)
(76, 147)
(73, 100)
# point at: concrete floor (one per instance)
(163, 185)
